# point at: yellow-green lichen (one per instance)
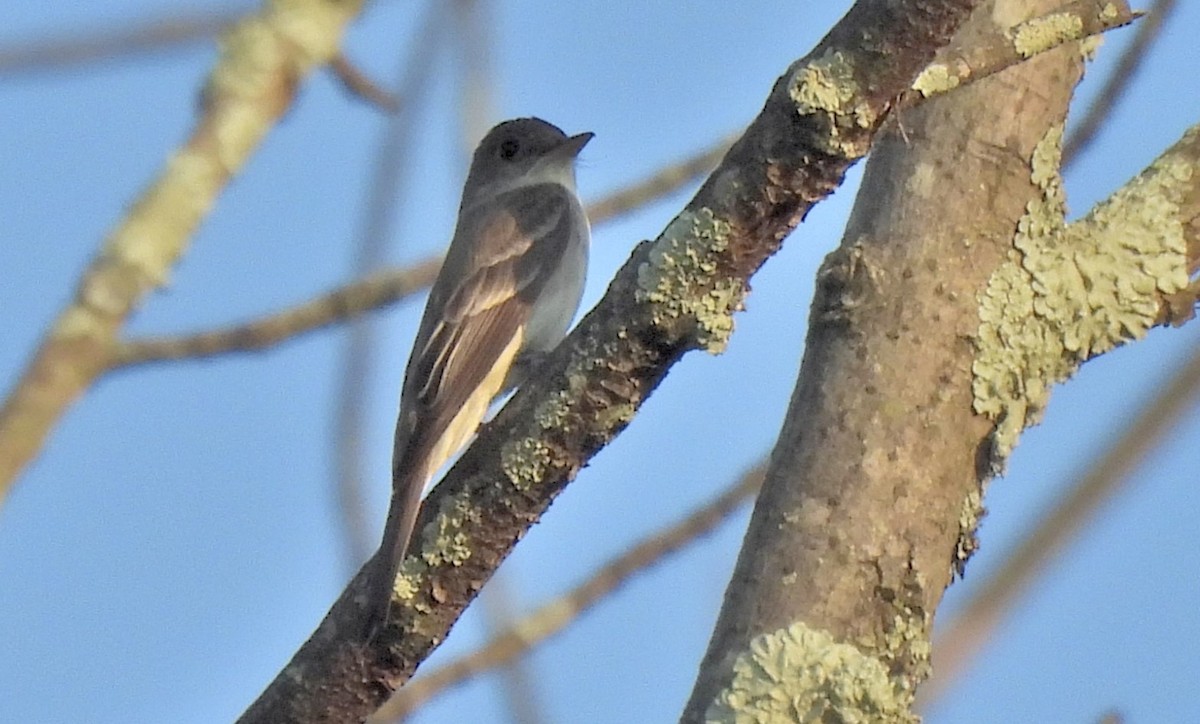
(969, 517)
(1090, 46)
(554, 411)
(610, 417)
(681, 283)
(406, 584)
(524, 461)
(825, 84)
(936, 78)
(799, 674)
(1041, 34)
(828, 85)
(907, 641)
(1073, 291)
(446, 540)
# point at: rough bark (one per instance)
(873, 490)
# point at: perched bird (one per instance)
(506, 293)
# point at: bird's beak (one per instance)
(571, 147)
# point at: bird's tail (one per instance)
(397, 532)
(422, 445)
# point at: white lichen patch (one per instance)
(1073, 291)
(798, 674)
(1041, 34)
(680, 279)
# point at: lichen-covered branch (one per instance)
(935, 337)
(993, 49)
(873, 492)
(976, 624)
(263, 58)
(1159, 212)
(1077, 290)
(554, 616)
(675, 294)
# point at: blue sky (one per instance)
(176, 539)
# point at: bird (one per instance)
(511, 283)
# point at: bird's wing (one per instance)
(471, 323)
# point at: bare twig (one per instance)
(78, 48)
(1118, 82)
(554, 616)
(373, 292)
(382, 289)
(970, 631)
(360, 85)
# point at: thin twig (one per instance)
(1118, 82)
(49, 54)
(382, 289)
(373, 292)
(360, 85)
(552, 617)
(970, 631)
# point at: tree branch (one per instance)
(934, 339)
(996, 48)
(556, 615)
(373, 292)
(970, 631)
(674, 295)
(974, 626)
(263, 58)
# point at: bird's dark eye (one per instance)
(509, 148)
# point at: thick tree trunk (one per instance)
(873, 492)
